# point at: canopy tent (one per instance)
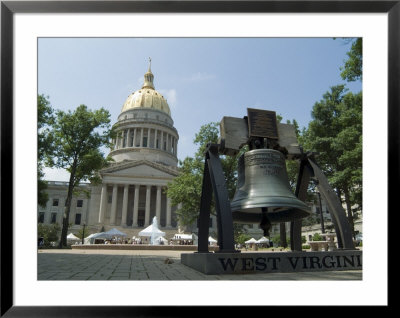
(179, 236)
(212, 241)
(114, 232)
(92, 237)
(72, 237)
(251, 241)
(153, 231)
(263, 240)
(150, 230)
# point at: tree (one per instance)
(186, 188)
(49, 232)
(77, 138)
(335, 133)
(44, 121)
(352, 69)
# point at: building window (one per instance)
(41, 217)
(144, 141)
(79, 203)
(53, 218)
(55, 202)
(77, 219)
(110, 198)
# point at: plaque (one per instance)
(262, 123)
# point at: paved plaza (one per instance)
(56, 264)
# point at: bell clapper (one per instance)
(265, 222)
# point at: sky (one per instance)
(203, 79)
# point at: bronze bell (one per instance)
(263, 194)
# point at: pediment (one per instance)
(141, 168)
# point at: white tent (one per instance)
(72, 237)
(180, 236)
(212, 241)
(263, 240)
(88, 239)
(251, 241)
(92, 237)
(114, 232)
(153, 231)
(150, 230)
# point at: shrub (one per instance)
(317, 237)
(49, 232)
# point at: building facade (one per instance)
(133, 186)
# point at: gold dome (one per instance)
(147, 97)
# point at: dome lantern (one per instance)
(148, 78)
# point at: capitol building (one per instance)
(133, 186)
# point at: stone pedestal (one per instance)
(270, 262)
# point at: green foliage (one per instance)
(317, 237)
(77, 138)
(335, 133)
(241, 238)
(352, 69)
(83, 234)
(44, 121)
(276, 239)
(186, 188)
(49, 232)
(303, 239)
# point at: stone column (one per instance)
(158, 204)
(117, 141)
(141, 138)
(167, 140)
(168, 212)
(135, 206)
(134, 138)
(162, 140)
(147, 211)
(128, 138)
(114, 204)
(103, 202)
(155, 138)
(125, 205)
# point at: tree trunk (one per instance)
(348, 208)
(282, 234)
(67, 209)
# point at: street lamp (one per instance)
(320, 211)
(320, 205)
(83, 233)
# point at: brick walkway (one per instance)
(149, 265)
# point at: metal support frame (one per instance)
(309, 169)
(214, 183)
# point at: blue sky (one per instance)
(203, 79)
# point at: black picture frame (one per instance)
(9, 8)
